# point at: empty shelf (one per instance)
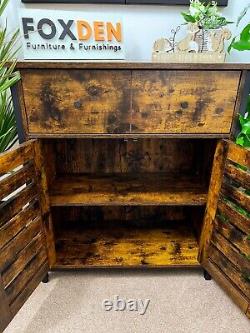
(170, 246)
(126, 189)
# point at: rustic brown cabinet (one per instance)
(129, 165)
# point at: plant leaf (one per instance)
(188, 18)
(242, 15)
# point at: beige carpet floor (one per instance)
(180, 301)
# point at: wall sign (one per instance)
(54, 34)
(124, 2)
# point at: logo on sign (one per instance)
(51, 36)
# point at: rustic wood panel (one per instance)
(15, 204)
(26, 275)
(11, 250)
(212, 200)
(127, 65)
(242, 177)
(239, 155)
(13, 158)
(44, 202)
(227, 225)
(17, 223)
(248, 312)
(5, 312)
(231, 272)
(239, 220)
(236, 295)
(234, 235)
(236, 195)
(15, 180)
(29, 288)
(24, 257)
(238, 259)
(62, 101)
(127, 189)
(65, 218)
(173, 157)
(22, 243)
(183, 101)
(129, 247)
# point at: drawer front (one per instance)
(183, 101)
(76, 101)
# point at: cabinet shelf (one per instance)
(127, 190)
(173, 245)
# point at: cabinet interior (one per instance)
(117, 202)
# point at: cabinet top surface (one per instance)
(128, 65)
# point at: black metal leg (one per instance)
(46, 278)
(207, 276)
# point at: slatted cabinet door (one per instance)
(225, 240)
(23, 253)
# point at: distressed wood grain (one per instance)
(22, 243)
(171, 157)
(239, 155)
(229, 270)
(10, 252)
(25, 256)
(212, 200)
(129, 247)
(5, 311)
(227, 225)
(10, 229)
(128, 65)
(16, 179)
(19, 283)
(236, 194)
(15, 204)
(13, 158)
(62, 101)
(242, 177)
(29, 288)
(237, 258)
(44, 202)
(233, 216)
(126, 189)
(234, 235)
(183, 101)
(233, 291)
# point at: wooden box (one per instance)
(125, 165)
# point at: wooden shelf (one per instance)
(126, 189)
(118, 246)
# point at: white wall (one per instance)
(142, 24)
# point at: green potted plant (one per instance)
(241, 42)
(8, 77)
(206, 16)
(211, 32)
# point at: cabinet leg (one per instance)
(207, 276)
(46, 278)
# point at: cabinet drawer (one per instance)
(76, 101)
(177, 101)
(87, 101)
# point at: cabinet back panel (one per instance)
(173, 156)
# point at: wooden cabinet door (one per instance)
(75, 102)
(183, 101)
(23, 252)
(225, 239)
